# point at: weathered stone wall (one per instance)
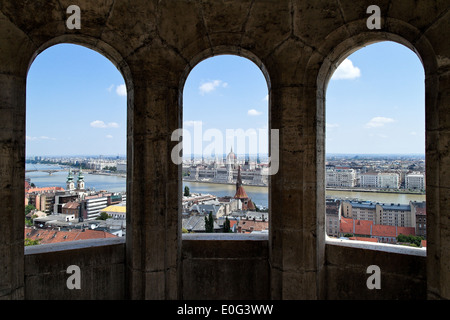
(101, 270)
(401, 276)
(232, 269)
(297, 44)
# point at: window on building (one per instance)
(225, 147)
(375, 126)
(76, 124)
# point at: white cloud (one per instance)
(121, 90)
(266, 98)
(101, 124)
(192, 123)
(210, 86)
(28, 138)
(346, 71)
(378, 122)
(253, 112)
(110, 88)
(109, 136)
(331, 125)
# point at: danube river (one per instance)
(259, 195)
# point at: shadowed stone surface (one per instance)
(297, 44)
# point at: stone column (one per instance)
(153, 226)
(437, 184)
(14, 59)
(293, 198)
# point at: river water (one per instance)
(259, 195)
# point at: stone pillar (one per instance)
(14, 58)
(437, 184)
(153, 226)
(293, 198)
(12, 179)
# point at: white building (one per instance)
(340, 177)
(388, 180)
(415, 181)
(121, 167)
(92, 205)
(380, 180)
(251, 173)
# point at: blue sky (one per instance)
(76, 103)
(380, 106)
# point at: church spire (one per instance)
(69, 183)
(239, 179)
(80, 182)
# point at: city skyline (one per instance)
(225, 92)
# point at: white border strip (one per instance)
(422, 252)
(72, 245)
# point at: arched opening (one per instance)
(76, 147)
(375, 148)
(225, 148)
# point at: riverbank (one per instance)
(397, 191)
(226, 183)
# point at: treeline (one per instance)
(415, 241)
(61, 163)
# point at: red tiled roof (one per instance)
(364, 239)
(54, 236)
(71, 205)
(240, 193)
(346, 225)
(380, 230)
(406, 231)
(367, 227)
(246, 225)
(421, 211)
(232, 223)
(362, 227)
(45, 189)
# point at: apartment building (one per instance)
(415, 181)
(380, 180)
(419, 210)
(380, 213)
(92, 205)
(332, 217)
(399, 215)
(340, 177)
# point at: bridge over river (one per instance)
(50, 172)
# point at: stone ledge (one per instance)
(422, 252)
(225, 236)
(72, 245)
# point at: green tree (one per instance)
(28, 208)
(209, 223)
(226, 225)
(413, 240)
(187, 192)
(30, 242)
(103, 216)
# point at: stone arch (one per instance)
(223, 50)
(325, 61)
(112, 56)
(214, 52)
(94, 44)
